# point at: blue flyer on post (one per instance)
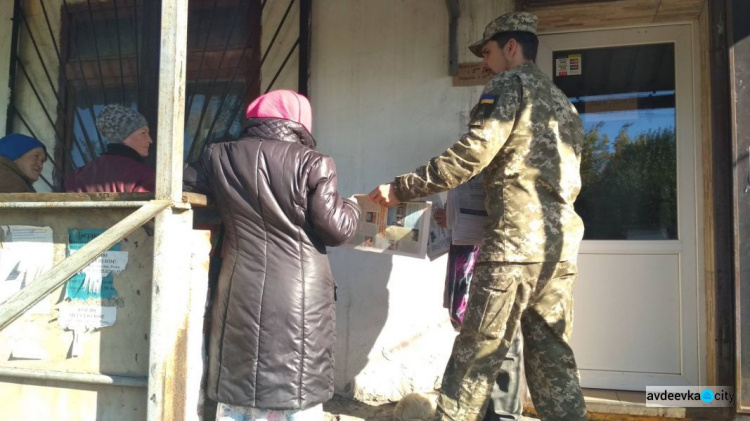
(81, 286)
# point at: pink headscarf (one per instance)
(288, 105)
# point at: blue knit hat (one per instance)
(14, 146)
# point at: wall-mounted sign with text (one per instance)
(471, 74)
(569, 66)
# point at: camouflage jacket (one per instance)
(527, 137)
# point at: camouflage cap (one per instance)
(513, 21)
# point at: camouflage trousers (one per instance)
(538, 297)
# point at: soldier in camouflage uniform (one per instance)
(527, 137)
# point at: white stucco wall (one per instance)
(383, 104)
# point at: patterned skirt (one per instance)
(226, 412)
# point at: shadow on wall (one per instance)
(361, 310)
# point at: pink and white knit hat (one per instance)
(285, 104)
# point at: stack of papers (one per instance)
(466, 214)
(403, 229)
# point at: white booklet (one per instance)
(466, 214)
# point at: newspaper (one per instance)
(466, 214)
(439, 242)
(401, 230)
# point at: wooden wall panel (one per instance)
(611, 14)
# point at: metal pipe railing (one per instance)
(276, 33)
(15, 30)
(191, 96)
(16, 305)
(72, 205)
(305, 46)
(39, 54)
(168, 298)
(136, 31)
(219, 64)
(63, 76)
(283, 65)
(96, 48)
(43, 107)
(225, 96)
(119, 55)
(86, 89)
(73, 377)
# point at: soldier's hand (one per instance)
(384, 195)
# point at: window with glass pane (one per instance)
(626, 99)
(103, 61)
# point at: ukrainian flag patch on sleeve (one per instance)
(488, 99)
(483, 110)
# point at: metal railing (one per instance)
(112, 74)
(168, 208)
(15, 306)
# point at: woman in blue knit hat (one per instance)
(21, 161)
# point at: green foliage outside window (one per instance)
(629, 185)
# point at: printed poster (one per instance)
(96, 281)
(26, 252)
(568, 66)
(91, 298)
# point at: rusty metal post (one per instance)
(721, 156)
(738, 42)
(167, 383)
(454, 13)
(12, 69)
(305, 44)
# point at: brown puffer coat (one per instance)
(273, 320)
(12, 179)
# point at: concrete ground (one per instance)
(341, 409)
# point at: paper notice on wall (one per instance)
(83, 318)
(569, 66)
(471, 74)
(95, 281)
(110, 262)
(26, 252)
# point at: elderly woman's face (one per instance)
(31, 163)
(139, 140)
